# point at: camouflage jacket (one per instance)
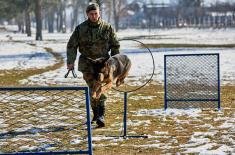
(94, 40)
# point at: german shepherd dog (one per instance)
(113, 70)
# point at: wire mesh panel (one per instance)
(45, 119)
(192, 81)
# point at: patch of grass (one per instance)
(12, 77)
(174, 127)
(177, 134)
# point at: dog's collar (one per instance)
(95, 58)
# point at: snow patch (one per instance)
(206, 149)
(169, 112)
(138, 122)
(160, 133)
(228, 124)
(139, 97)
(22, 56)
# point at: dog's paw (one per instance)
(93, 95)
(118, 83)
(101, 90)
(98, 96)
(101, 77)
(99, 93)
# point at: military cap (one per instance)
(93, 6)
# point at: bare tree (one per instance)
(188, 9)
(27, 18)
(78, 8)
(74, 20)
(38, 16)
(51, 18)
(20, 22)
(61, 17)
(118, 7)
(115, 16)
(108, 9)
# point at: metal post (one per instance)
(125, 115)
(89, 121)
(165, 86)
(89, 132)
(124, 136)
(218, 63)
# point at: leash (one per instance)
(74, 74)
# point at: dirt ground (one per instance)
(167, 133)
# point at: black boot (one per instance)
(95, 114)
(95, 110)
(100, 120)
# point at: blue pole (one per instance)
(218, 59)
(125, 114)
(165, 84)
(89, 121)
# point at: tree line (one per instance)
(25, 12)
(63, 15)
(51, 14)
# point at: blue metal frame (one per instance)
(125, 115)
(41, 88)
(125, 121)
(165, 86)
(218, 76)
(90, 150)
(125, 136)
(191, 100)
(175, 55)
(86, 89)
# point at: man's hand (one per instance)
(70, 66)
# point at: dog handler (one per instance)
(94, 38)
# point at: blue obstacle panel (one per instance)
(45, 120)
(192, 81)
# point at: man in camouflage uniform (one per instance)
(94, 38)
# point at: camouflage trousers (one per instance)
(95, 104)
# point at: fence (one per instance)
(45, 120)
(192, 80)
